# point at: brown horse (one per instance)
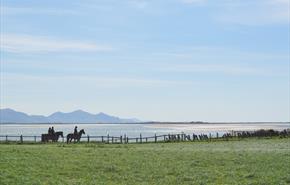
(75, 137)
(53, 137)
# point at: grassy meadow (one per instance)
(249, 161)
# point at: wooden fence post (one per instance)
(102, 139)
(6, 138)
(112, 139)
(155, 138)
(88, 138)
(140, 138)
(108, 141)
(121, 140)
(35, 139)
(209, 136)
(21, 139)
(217, 135)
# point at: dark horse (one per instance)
(53, 137)
(75, 137)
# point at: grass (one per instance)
(250, 161)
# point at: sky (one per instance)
(164, 60)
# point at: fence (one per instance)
(157, 138)
(121, 139)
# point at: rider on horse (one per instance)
(76, 130)
(76, 136)
(52, 131)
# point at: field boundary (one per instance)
(124, 139)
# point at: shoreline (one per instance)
(148, 123)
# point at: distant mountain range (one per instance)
(78, 116)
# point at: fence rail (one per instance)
(124, 139)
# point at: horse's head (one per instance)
(59, 134)
(82, 131)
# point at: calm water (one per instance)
(134, 130)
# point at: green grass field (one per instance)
(250, 161)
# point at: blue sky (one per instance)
(174, 60)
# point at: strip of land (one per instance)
(248, 161)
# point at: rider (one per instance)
(52, 131)
(49, 131)
(76, 130)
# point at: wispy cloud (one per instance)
(193, 53)
(247, 12)
(221, 60)
(12, 10)
(215, 69)
(139, 3)
(255, 13)
(88, 81)
(241, 12)
(18, 43)
(194, 1)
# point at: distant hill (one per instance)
(78, 116)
